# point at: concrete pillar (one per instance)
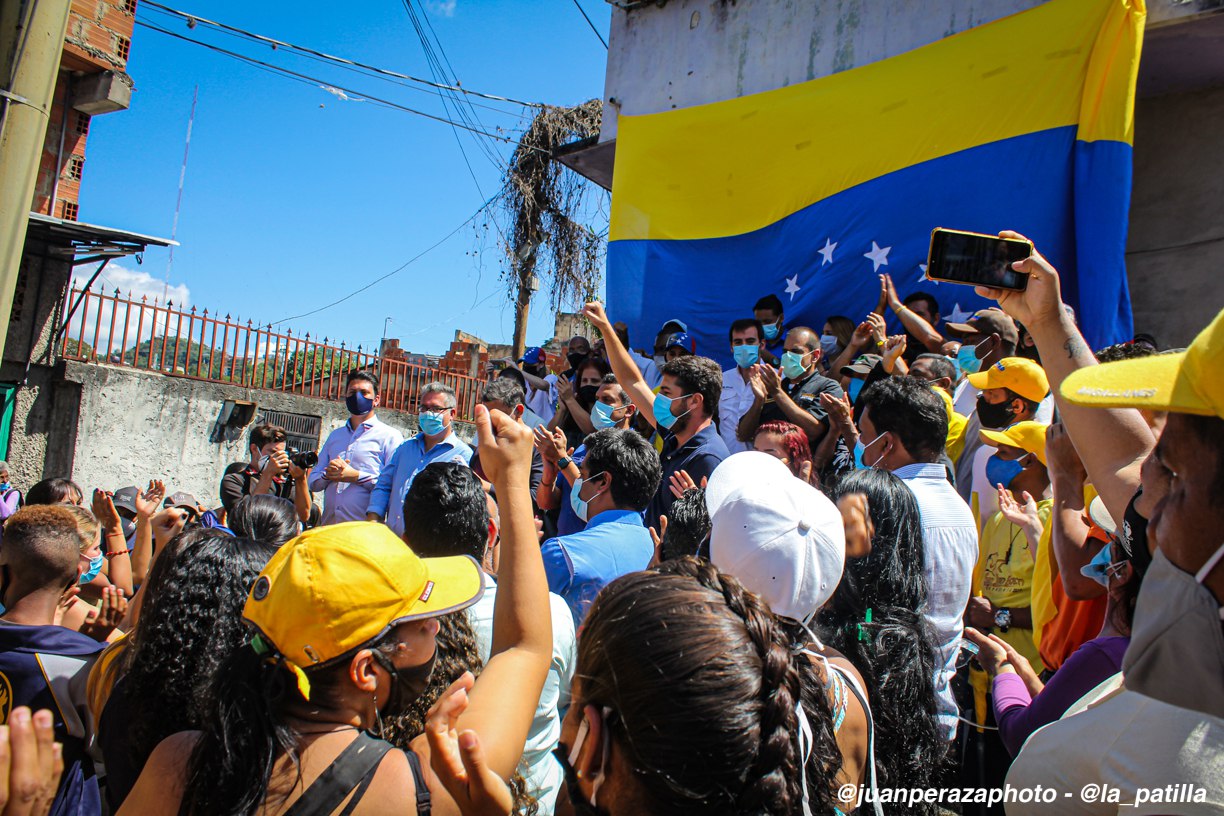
(31, 41)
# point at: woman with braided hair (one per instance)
(684, 701)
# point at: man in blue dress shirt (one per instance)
(619, 477)
(435, 442)
(354, 455)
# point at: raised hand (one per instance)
(1021, 513)
(1041, 301)
(839, 410)
(1061, 456)
(890, 292)
(757, 384)
(894, 347)
(167, 524)
(505, 444)
(771, 380)
(104, 510)
(551, 445)
(681, 483)
(879, 328)
(148, 501)
(657, 537)
(31, 763)
(99, 624)
(565, 389)
(458, 759)
(862, 334)
(594, 312)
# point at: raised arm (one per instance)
(626, 371)
(1068, 533)
(503, 700)
(114, 547)
(1111, 442)
(914, 323)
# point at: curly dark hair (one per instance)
(190, 621)
(688, 526)
(895, 650)
(709, 728)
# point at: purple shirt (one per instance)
(1019, 715)
(368, 448)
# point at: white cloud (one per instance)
(129, 321)
(443, 8)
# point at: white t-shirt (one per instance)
(735, 401)
(543, 403)
(1122, 744)
(542, 772)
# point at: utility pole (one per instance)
(31, 41)
(528, 283)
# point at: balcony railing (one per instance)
(199, 346)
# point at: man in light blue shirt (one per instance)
(435, 442)
(620, 474)
(354, 455)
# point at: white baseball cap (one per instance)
(781, 537)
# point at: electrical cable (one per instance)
(310, 80)
(400, 268)
(331, 57)
(592, 25)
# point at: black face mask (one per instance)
(994, 415)
(575, 358)
(1133, 536)
(407, 684)
(535, 371)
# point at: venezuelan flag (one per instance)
(810, 190)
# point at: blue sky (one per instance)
(295, 197)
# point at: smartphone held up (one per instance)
(975, 259)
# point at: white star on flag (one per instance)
(792, 286)
(827, 252)
(958, 316)
(878, 256)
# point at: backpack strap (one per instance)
(351, 770)
(418, 782)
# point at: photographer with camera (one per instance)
(273, 470)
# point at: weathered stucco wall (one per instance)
(1175, 252)
(135, 426)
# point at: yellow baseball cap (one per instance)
(1028, 436)
(335, 588)
(1183, 382)
(1018, 374)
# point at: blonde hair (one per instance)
(87, 525)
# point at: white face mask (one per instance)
(1176, 651)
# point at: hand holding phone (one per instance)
(975, 259)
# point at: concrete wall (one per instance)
(1175, 253)
(692, 52)
(134, 426)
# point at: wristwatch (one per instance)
(564, 462)
(1003, 619)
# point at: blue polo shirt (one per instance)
(698, 457)
(613, 544)
(567, 520)
(409, 459)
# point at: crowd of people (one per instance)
(853, 572)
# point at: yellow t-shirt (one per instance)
(955, 444)
(1005, 574)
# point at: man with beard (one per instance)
(682, 411)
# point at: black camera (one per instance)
(305, 459)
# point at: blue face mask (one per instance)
(358, 403)
(95, 566)
(966, 359)
(5, 486)
(662, 410)
(580, 506)
(746, 356)
(1002, 471)
(792, 365)
(855, 388)
(601, 416)
(860, 449)
(431, 422)
(828, 344)
(772, 331)
(1100, 567)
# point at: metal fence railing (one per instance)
(184, 343)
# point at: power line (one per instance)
(400, 268)
(324, 84)
(331, 57)
(592, 25)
